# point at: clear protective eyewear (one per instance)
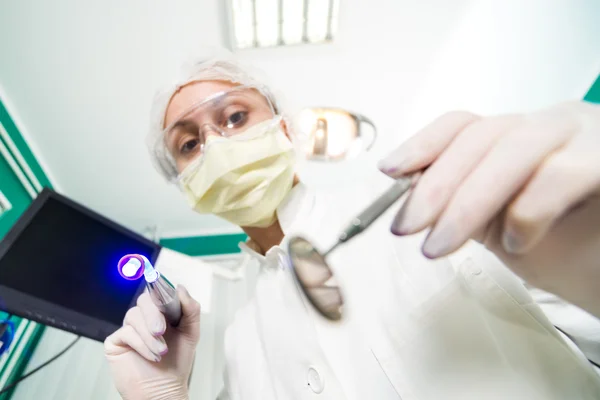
(226, 114)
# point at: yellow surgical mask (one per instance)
(242, 179)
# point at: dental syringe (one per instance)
(161, 291)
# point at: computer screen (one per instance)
(66, 255)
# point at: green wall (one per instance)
(13, 190)
(593, 95)
(22, 146)
(205, 245)
(21, 179)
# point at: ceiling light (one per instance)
(267, 23)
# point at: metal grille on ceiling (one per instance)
(267, 23)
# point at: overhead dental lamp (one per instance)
(333, 134)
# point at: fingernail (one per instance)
(159, 328)
(389, 165)
(511, 242)
(439, 241)
(161, 346)
(387, 170)
(399, 224)
(403, 223)
(396, 232)
(390, 169)
(157, 358)
(409, 218)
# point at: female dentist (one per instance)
(454, 328)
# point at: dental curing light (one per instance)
(162, 292)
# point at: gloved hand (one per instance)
(526, 186)
(149, 359)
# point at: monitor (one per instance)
(58, 266)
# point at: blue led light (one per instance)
(133, 266)
(130, 267)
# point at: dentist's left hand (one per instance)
(149, 359)
(526, 185)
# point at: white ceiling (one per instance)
(79, 77)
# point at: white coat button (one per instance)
(473, 268)
(315, 381)
(476, 270)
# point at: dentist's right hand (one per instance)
(150, 359)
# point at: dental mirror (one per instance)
(315, 277)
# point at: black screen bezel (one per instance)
(45, 312)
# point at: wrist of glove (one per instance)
(158, 389)
(149, 359)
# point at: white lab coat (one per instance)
(459, 328)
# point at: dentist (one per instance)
(458, 327)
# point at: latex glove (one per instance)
(149, 359)
(526, 186)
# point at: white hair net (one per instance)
(222, 67)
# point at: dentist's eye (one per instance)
(237, 119)
(189, 146)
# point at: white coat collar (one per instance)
(294, 212)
